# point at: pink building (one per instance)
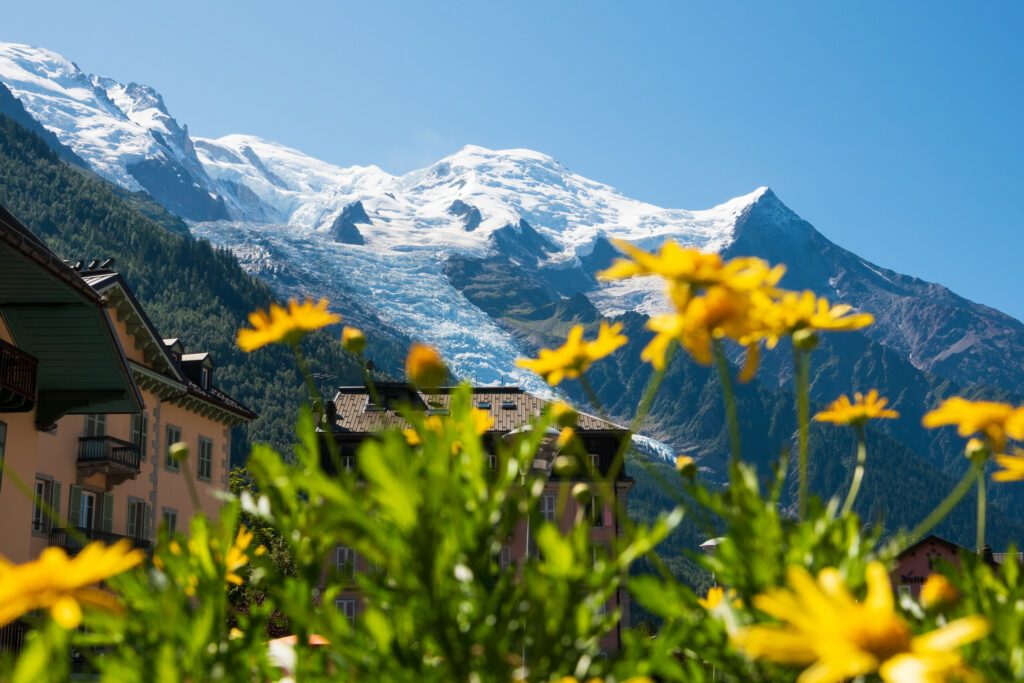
(357, 417)
(916, 563)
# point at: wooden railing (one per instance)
(17, 377)
(108, 449)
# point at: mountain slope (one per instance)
(189, 288)
(490, 255)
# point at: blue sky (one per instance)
(894, 127)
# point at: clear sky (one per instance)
(895, 128)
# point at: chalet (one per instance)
(91, 396)
(356, 416)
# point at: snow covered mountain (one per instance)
(482, 252)
(124, 132)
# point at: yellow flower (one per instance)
(863, 408)
(62, 584)
(838, 638)
(236, 557)
(718, 313)
(482, 421)
(565, 437)
(795, 312)
(937, 590)
(574, 357)
(353, 340)
(688, 270)
(424, 367)
(686, 466)
(287, 325)
(716, 596)
(1013, 467)
(564, 414)
(996, 421)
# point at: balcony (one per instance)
(73, 540)
(17, 379)
(116, 459)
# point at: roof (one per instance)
(178, 387)
(510, 407)
(54, 315)
(931, 538)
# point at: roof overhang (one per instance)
(55, 316)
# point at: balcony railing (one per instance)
(108, 450)
(17, 379)
(73, 540)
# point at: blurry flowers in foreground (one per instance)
(995, 421)
(573, 358)
(424, 367)
(864, 407)
(285, 325)
(825, 629)
(62, 584)
(236, 557)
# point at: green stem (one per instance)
(940, 512)
(730, 401)
(858, 472)
(980, 539)
(592, 396)
(801, 362)
(315, 398)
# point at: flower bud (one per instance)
(564, 414)
(937, 590)
(353, 340)
(686, 466)
(424, 367)
(178, 451)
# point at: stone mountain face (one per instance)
(489, 255)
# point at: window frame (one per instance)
(167, 513)
(140, 433)
(170, 464)
(95, 424)
(343, 605)
(549, 506)
(207, 459)
(347, 568)
(42, 523)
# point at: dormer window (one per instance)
(508, 405)
(204, 378)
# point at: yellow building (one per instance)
(91, 396)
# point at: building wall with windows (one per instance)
(357, 418)
(95, 499)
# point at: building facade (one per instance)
(91, 397)
(356, 417)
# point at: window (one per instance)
(45, 503)
(170, 520)
(373, 407)
(204, 378)
(547, 506)
(348, 462)
(173, 437)
(3, 445)
(602, 609)
(492, 462)
(347, 606)
(140, 433)
(599, 552)
(437, 410)
(505, 556)
(508, 405)
(595, 463)
(595, 511)
(95, 425)
(345, 560)
(204, 466)
(87, 510)
(484, 405)
(138, 519)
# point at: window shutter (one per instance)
(74, 506)
(133, 511)
(108, 512)
(146, 512)
(54, 505)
